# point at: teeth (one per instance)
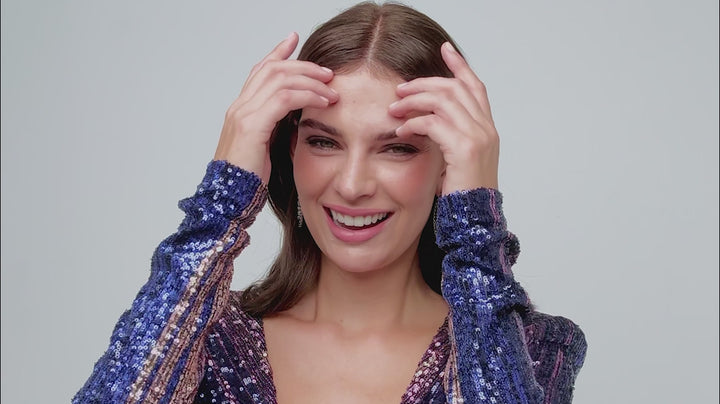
(357, 221)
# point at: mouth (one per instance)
(357, 222)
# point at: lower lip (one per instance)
(354, 236)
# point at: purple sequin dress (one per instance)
(186, 339)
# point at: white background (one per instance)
(608, 114)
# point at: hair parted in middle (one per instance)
(389, 40)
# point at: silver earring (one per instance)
(299, 215)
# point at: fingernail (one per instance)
(403, 84)
(326, 69)
(393, 104)
(450, 47)
(325, 99)
(290, 35)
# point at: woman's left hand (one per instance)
(456, 115)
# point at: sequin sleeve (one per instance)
(156, 351)
(489, 361)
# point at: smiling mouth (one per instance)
(357, 222)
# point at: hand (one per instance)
(456, 116)
(274, 87)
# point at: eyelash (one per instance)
(324, 143)
(320, 143)
(401, 148)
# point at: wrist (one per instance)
(467, 183)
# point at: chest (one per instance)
(312, 365)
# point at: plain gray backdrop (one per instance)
(608, 117)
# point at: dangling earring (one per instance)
(299, 215)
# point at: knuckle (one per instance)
(229, 112)
(409, 125)
(447, 96)
(280, 75)
(273, 66)
(284, 96)
(236, 117)
(232, 112)
(414, 124)
(461, 85)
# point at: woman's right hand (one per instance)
(274, 87)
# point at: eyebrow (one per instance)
(314, 124)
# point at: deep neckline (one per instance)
(434, 357)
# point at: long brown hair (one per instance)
(388, 39)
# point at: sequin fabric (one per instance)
(186, 339)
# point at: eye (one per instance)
(401, 148)
(320, 142)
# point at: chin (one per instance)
(357, 262)
(362, 260)
(366, 248)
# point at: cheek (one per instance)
(415, 179)
(308, 171)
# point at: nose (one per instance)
(355, 178)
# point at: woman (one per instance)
(379, 154)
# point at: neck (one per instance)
(374, 300)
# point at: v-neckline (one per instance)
(432, 363)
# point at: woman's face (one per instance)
(365, 194)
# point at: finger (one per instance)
(299, 82)
(440, 104)
(294, 83)
(288, 100)
(454, 88)
(429, 125)
(451, 141)
(284, 49)
(274, 70)
(461, 70)
(281, 51)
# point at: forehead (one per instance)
(363, 102)
(362, 85)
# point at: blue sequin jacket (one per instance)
(186, 339)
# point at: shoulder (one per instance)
(237, 361)
(233, 316)
(234, 324)
(236, 334)
(546, 328)
(557, 347)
